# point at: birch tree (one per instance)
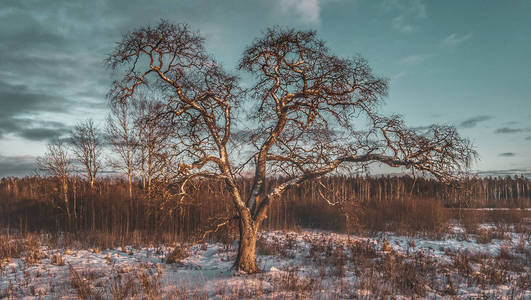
(121, 136)
(88, 148)
(58, 162)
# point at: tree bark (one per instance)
(91, 182)
(65, 196)
(130, 188)
(246, 259)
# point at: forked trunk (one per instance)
(246, 259)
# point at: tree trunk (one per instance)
(130, 208)
(65, 197)
(246, 259)
(130, 186)
(74, 195)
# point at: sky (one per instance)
(462, 63)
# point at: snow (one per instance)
(291, 268)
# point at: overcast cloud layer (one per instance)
(452, 62)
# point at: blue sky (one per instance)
(464, 63)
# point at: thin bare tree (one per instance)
(139, 113)
(122, 138)
(58, 162)
(154, 140)
(314, 113)
(88, 148)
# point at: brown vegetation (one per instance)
(318, 265)
(399, 204)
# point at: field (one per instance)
(383, 237)
(492, 262)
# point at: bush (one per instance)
(177, 255)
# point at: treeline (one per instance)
(158, 194)
(336, 202)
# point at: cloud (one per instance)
(421, 128)
(20, 99)
(528, 138)
(49, 70)
(507, 154)
(413, 59)
(20, 103)
(307, 10)
(415, 8)
(17, 165)
(33, 130)
(42, 134)
(510, 123)
(455, 39)
(472, 122)
(506, 172)
(401, 24)
(507, 130)
(399, 75)
(407, 14)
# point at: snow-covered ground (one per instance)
(305, 264)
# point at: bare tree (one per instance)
(121, 135)
(88, 148)
(314, 113)
(154, 134)
(57, 162)
(140, 113)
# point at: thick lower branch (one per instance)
(261, 211)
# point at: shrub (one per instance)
(177, 255)
(58, 260)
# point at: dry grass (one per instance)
(123, 286)
(15, 246)
(292, 281)
(150, 281)
(377, 273)
(57, 259)
(177, 255)
(81, 285)
(267, 247)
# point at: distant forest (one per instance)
(344, 203)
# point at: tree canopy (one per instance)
(307, 114)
